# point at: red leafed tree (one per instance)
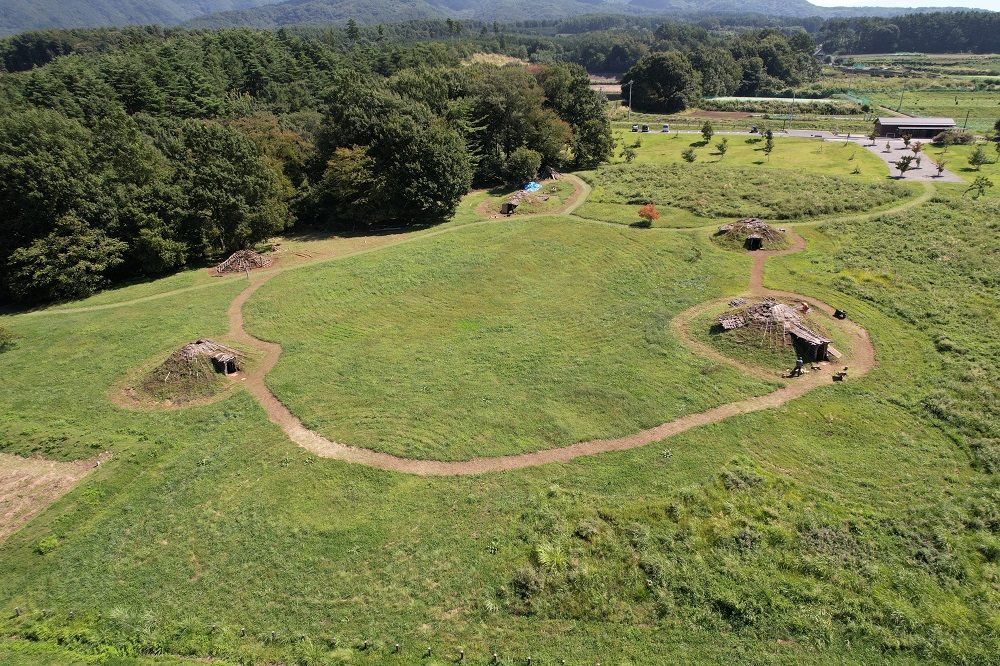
(649, 212)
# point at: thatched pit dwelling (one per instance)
(779, 325)
(242, 261)
(753, 234)
(192, 371)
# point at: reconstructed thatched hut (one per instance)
(753, 234)
(780, 325)
(243, 261)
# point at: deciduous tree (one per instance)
(664, 82)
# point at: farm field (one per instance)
(855, 523)
(965, 87)
(982, 108)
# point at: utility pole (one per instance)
(629, 84)
(900, 101)
(965, 125)
(791, 109)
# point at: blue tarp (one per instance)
(532, 187)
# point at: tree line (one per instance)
(179, 148)
(686, 66)
(935, 32)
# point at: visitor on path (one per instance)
(797, 370)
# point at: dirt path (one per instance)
(29, 485)
(572, 204)
(862, 354)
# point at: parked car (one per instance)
(635, 128)
(666, 128)
(645, 128)
(753, 129)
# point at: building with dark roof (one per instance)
(918, 128)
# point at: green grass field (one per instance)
(807, 156)
(516, 337)
(856, 524)
(698, 194)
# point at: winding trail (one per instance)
(862, 354)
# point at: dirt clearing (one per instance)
(29, 485)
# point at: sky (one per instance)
(979, 4)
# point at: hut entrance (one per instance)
(810, 350)
(753, 234)
(225, 363)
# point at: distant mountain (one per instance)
(22, 15)
(312, 12)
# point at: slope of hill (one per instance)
(303, 12)
(20, 15)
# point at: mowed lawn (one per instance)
(804, 156)
(500, 339)
(745, 537)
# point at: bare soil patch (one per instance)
(30, 485)
(738, 115)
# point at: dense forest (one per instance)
(180, 148)
(687, 63)
(21, 15)
(131, 152)
(938, 32)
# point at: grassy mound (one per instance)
(734, 236)
(716, 191)
(186, 375)
(550, 198)
(748, 345)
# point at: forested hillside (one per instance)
(179, 149)
(939, 32)
(20, 15)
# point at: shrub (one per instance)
(707, 131)
(956, 137)
(7, 339)
(649, 214)
(689, 155)
(46, 545)
(522, 166)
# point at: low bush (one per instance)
(954, 137)
(7, 339)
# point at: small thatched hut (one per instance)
(753, 234)
(243, 261)
(780, 325)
